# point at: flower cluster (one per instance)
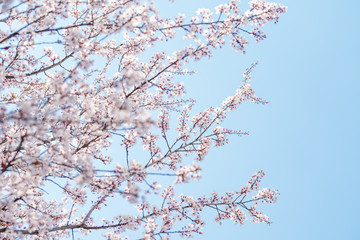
(74, 83)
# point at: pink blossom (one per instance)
(74, 82)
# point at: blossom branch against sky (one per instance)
(74, 76)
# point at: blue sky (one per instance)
(306, 138)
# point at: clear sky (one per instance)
(307, 138)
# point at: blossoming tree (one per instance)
(73, 78)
